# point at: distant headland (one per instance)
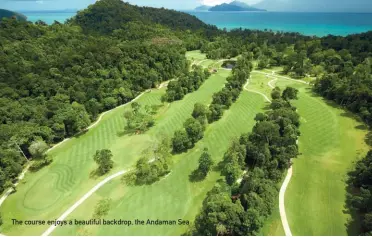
(233, 6)
(10, 14)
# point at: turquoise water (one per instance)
(48, 17)
(318, 24)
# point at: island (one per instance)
(10, 14)
(203, 8)
(235, 6)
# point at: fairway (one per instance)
(331, 140)
(139, 118)
(174, 197)
(68, 177)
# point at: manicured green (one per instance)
(49, 192)
(174, 196)
(331, 140)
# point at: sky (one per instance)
(271, 5)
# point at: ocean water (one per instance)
(48, 16)
(319, 24)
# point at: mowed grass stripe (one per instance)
(329, 144)
(78, 154)
(175, 196)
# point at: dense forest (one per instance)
(360, 193)
(240, 208)
(56, 79)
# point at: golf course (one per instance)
(331, 141)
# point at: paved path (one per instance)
(95, 188)
(100, 184)
(276, 76)
(283, 188)
(10, 190)
(245, 88)
(106, 180)
(86, 196)
(82, 199)
(283, 215)
(270, 85)
(22, 175)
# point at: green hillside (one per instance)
(153, 114)
(10, 14)
(107, 16)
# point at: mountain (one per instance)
(234, 6)
(203, 8)
(316, 5)
(240, 4)
(9, 14)
(105, 16)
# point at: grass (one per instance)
(174, 197)
(48, 193)
(329, 144)
(331, 140)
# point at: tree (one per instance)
(260, 117)
(205, 162)
(221, 230)
(181, 141)
(102, 208)
(194, 130)
(200, 110)
(215, 112)
(275, 94)
(103, 158)
(317, 70)
(135, 107)
(37, 149)
(266, 131)
(290, 93)
(138, 121)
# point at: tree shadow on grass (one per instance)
(368, 138)
(266, 107)
(196, 176)
(346, 113)
(81, 133)
(353, 225)
(123, 133)
(94, 174)
(128, 132)
(362, 127)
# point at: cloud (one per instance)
(214, 2)
(36, 1)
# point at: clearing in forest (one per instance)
(48, 193)
(331, 140)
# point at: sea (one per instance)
(312, 24)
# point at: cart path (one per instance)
(82, 199)
(283, 188)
